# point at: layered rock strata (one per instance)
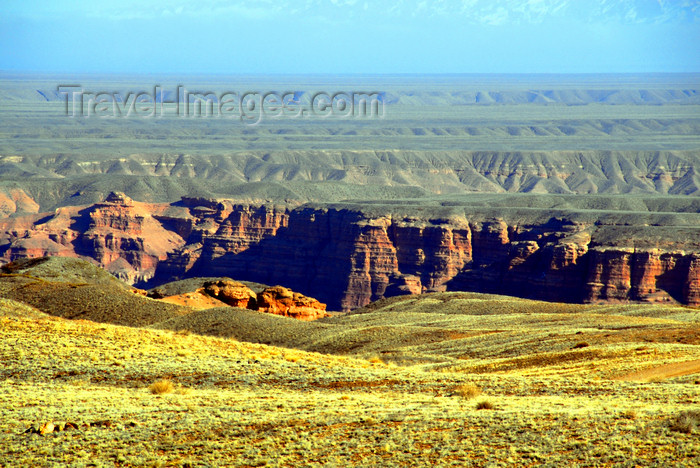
(348, 255)
(120, 235)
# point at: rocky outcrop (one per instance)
(124, 238)
(646, 275)
(276, 300)
(205, 293)
(349, 255)
(232, 293)
(691, 285)
(279, 300)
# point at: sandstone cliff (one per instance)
(118, 234)
(347, 255)
(279, 300)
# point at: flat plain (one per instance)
(576, 134)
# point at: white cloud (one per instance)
(149, 9)
(497, 18)
(493, 12)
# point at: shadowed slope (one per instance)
(96, 302)
(76, 289)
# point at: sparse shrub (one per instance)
(484, 405)
(467, 391)
(582, 344)
(687, 422)
(161, 387)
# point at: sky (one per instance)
(350, 36)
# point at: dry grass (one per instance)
(686, 422)
(161, 387)
(243, 404)
(110, 303)
(484, 405)
(467, 391)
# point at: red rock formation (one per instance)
(232, 293)
(691, 285)
(609, 277)
(644, 271)
(621, 274)
(279, 300)
(323, 250)
(348, 257)
(434, 251)
(125, 239)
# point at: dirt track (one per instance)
(666, 371)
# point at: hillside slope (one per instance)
(333, 175)
(431, 379)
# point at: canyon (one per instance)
(566, 188)
(348, 254)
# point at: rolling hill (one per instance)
(445, 378)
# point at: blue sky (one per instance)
(350, 36)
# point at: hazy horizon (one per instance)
(340, 37)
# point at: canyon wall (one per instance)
(118, 234)
(349, 255)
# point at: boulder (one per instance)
(279, 300)
(232, 293)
